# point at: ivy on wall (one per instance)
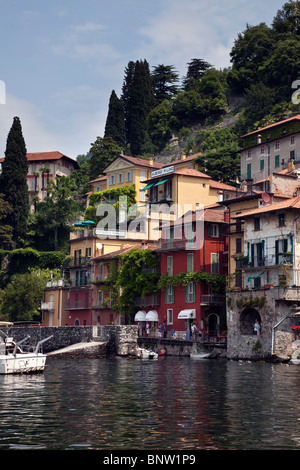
(216, 280)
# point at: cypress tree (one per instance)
(115, 125)
(141, 102)
(125, 97)
(13, 181)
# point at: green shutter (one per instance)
(262, 165)
(190, 263)
(277, 157)
(249, 170)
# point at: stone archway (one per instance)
(247, 320)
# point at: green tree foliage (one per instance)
(141, 103)
(115, 124)
(158, 124)
(21, 300)
(103, 151)
(286, 21)
(165, 82)
(6, 231)
(220, 158)
(126, 95)
(195, 72)
(13, 182)
(51, 224)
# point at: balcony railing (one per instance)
(172, 245)
(80, 261)
(269, 260)
(212, 299)
(77, 305)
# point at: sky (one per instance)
(61, 59)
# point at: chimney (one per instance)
(259, 139)
(183, 156)
(144, 245)
(151, 161)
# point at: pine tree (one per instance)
(165, 80)
(13, 182)
(115, 125)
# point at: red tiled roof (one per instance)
(273, 125)
(186, 159)
(141, 162)
(46, 156)
(102, 178)
(219, 185)
(190, 172)
(291, 203)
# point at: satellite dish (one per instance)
(265, 197)
(99, 246)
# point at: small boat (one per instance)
(143, 353)
(199, 355)
(14, 359)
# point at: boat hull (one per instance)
(22, 363)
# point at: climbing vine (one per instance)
(216, 280)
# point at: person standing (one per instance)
(256, 328)
(165, 329)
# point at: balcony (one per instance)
(174, 245)
(77, 305)
(212, 299)
(269, 261)
(47, 306)
(80, 261)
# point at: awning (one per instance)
(187, 314)
(254, 277)
(149, 185)
(161, 182)
(152, 315)
(140, 316)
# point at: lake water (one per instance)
(173, 403)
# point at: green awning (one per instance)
(254, 277)
(147, 186)
(161, 182)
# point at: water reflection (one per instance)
(172, 403)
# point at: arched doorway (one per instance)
(213, 324)
(247, 320)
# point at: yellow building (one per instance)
(54, 303)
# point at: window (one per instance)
(281, 220)
(169, 189)
(112, 180)
(100, 298)
(281, 246)
(214, 260)
(257, 223)
(277, 158)
(128, 176)
(292, 155)
(249, 154)
(262, 165)
(292, 139)
(214, 230)
(190, 263)
(277, 144)
(169, 316)
(142, 196)
(142, 175)
(262, 149)
(169, 295)
(170, 265)
(120, 177)
(190, 292)
(257, 258)
(238, 245)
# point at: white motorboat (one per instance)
(14, 359)
(143, 353)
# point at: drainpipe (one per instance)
(294, 252)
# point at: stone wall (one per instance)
(121, 339)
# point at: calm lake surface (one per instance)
(172, 403)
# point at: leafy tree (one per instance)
(220, 157)
(250, 50)
(165, 82)
(51, 224)
(287, 21)
(259, 100)
(159, 124)
(115, 124)
(103, 151)
(22, 297)
(13, 182)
